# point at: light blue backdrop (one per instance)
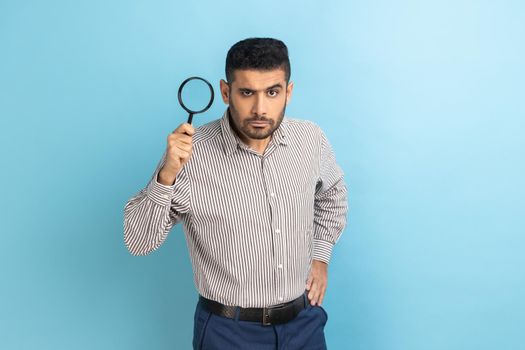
(423, 102)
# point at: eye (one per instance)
(246, 93)
(273, 93)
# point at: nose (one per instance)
(259, 105)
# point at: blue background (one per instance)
(423, 102)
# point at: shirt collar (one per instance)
(232, 142)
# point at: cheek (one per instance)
(241, 105)
(278, 104)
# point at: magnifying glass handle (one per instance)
(190, 118)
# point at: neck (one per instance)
(257, 145)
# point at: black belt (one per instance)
(276, 314)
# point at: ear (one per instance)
(225, 92)
(289, 90)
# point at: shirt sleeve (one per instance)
(151, 213)
(330, 205)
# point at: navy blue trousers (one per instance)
(305, 332)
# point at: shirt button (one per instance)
(272, 194)
(281, 298)
(280, 266)
(277, 231)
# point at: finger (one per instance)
(314, 293)
(176, 135)
(186, 128)
(180, 128)
(321, 295)
(177, 140)
(180, 137)
(309, 282)
(181, 154)
(183, 146)
(184, 138)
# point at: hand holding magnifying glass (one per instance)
(179, 146)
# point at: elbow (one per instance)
(132, 249)
(136, 250)
(134, 244)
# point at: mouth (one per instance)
(258, 123)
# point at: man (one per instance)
(262, 202)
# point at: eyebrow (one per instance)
(278, 85)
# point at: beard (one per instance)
(245, 128)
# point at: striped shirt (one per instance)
(253, 223)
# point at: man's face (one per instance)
(257, 101)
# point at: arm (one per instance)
(150, 214)
(330, 208)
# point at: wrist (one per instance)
(166, 177)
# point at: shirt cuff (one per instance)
(322, 250)
(159, 193)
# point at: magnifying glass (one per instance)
(196, 87)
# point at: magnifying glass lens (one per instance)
(193, 96)
(196, 95)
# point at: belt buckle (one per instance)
(266, 317)
(266, 313)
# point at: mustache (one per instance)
(259, 119)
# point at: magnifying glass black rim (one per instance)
(212, 97)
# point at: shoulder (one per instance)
(302, 128)
(207, 132)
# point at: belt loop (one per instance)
(237, 313)
(305, 301)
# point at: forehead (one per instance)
(258, 79)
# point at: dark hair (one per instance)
(259, 54)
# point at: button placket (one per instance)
(277, 237)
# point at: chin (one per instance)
(255, 135)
